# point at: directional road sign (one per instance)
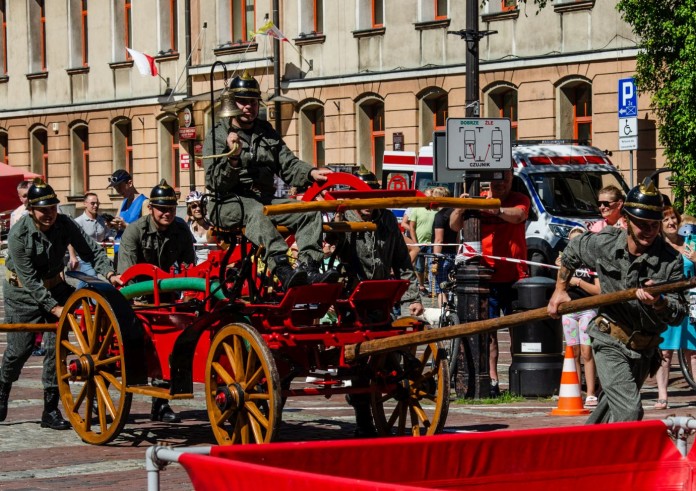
(478, 144)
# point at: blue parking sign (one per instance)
(628, 98)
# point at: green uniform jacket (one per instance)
(142, 243)
(376, 255)
(264, 155)
(34, 255)
(607, 253)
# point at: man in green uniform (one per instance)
(35, 290)
(162, 240)
(625, 337)
(243, 183)
(377, 255)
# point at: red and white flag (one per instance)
(145, 63)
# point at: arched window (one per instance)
(122, 134)
(79, 159)
(434, 104)
(371, 134)
(312, 134)
(39, 151)
(169, 150)
(575, 110)
(502, 103)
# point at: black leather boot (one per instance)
(4, 399)
(51, 417)
(315, 275)
(162, 412)
(288, 276)
(365, 427)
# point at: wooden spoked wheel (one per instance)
(242, 387)
(412, 391)
(91, 368)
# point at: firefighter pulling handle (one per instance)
(380, 203)
(354, 351)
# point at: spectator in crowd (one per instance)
(502, 234)
(21, 210)
(35, 290)
(626, 336)
(377, 255)
(162, 240)
(94, 225)
(133, 206)
(243, 183)
(679, 336)
(610, 200)
(575, 325)
(420, 225)
(443, 234)
(201, 228)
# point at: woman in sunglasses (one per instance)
(610, 200)
(200, 227)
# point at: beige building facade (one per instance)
(363, 74)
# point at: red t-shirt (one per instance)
(504, 239)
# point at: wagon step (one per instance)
(161, 392)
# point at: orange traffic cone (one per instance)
(569, 399)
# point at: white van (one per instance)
(561, 180)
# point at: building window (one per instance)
(235, 20)
(37, 36)
(122, 133)
(169, 151)
(433, 108)
(79, 159)
(370, 14)
(127, 27)
(3, 37)
(575, 100)
(503, 104)
(4, 148)
(312, 134)
(122, 29)
(440, 9)
(507, 5)
(371, 130)
(39, 152)
(311, 16)
(78, 33)
(169, 26)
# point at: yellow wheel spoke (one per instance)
(221, 372)
(238, 362)
(113, 381)
(256, 412)
(415, 426)
(106, 362)
(259, 396)
(419, 412)
(87, 316)
(250, 363)
(255, 378)
(70, 347)
(77, 330)
(244, 429)
(224, 416)
(106, 400)
(78, 400)
(256, 430)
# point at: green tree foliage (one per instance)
(666, 68)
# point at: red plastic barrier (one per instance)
(621, 456)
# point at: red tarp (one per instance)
(9, 178)
(620, 456)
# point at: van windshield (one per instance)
(573, 194)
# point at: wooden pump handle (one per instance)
(354, 351)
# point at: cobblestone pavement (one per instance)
(36, 458)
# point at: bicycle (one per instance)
(685, 354)
(448, 312)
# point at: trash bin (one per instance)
(536, 347)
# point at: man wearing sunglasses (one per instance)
(625, 337)
(162, 240)
(242, 183)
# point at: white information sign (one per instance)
(479, 144)
(628, 133)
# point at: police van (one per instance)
(561, 179)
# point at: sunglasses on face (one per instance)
(165, 209)
(606, 204)
(194, 206)
(93, 203)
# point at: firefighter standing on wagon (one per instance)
(35, 290)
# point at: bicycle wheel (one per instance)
(452, 345)
(685, 365)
